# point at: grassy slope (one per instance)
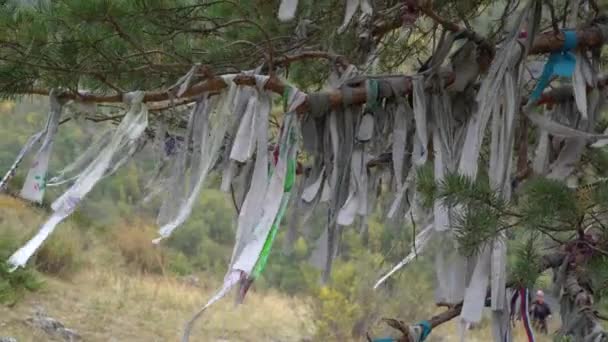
(106, 306)
(106, 301)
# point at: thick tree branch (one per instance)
(547, 42)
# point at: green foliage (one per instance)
(425, 185)
(526, 268)
(105, 45)
(549, 204)
(61, 253)
(207, 237)
(479, 213)
(349, 307)
(13, 285)
(179, 264)
(597, 272)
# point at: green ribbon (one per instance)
(286, 92)
(290, 178)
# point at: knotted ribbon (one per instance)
(560, 63)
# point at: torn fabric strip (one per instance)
(70, 172)
(35, 181)
(421, 241)
(33, 140)
(287, 10)
(130, 129)
(257, 228)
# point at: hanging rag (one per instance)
(504, 77)
(35, 181)
(206, 142)
(154, 184)
(420, 104)
(183, 83)
(351, 8)
(246, 102)
(252, 207)
(209, 121)
(126, 134)
(525, 313)
(257, 229)
(31, 141)
(71, 172)
(421, 242)
(287, 10)
(356, 201)
(175, 185)
(254, 255)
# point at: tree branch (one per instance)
(547, 42)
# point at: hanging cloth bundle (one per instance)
(209, 121)
(241, 141)
(504, 77)
(445, 142)
(356, 201)
(35, 181)
(254, 254)
(329, 183)
(252, 207)
(174, 186)
(257, 229)
(126, 134)
(572, 120)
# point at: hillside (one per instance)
(104, 300)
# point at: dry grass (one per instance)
(114, 297)
(113, 306)
(133, 240)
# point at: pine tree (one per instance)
(95, 51)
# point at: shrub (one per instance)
(61, 254)
(179, 264)
(212, 257)
(349, 306)
(134, 241)
(13, 285)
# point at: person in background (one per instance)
(540, 312)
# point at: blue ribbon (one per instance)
(372, 88)
(426, 330)
(560, 63)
